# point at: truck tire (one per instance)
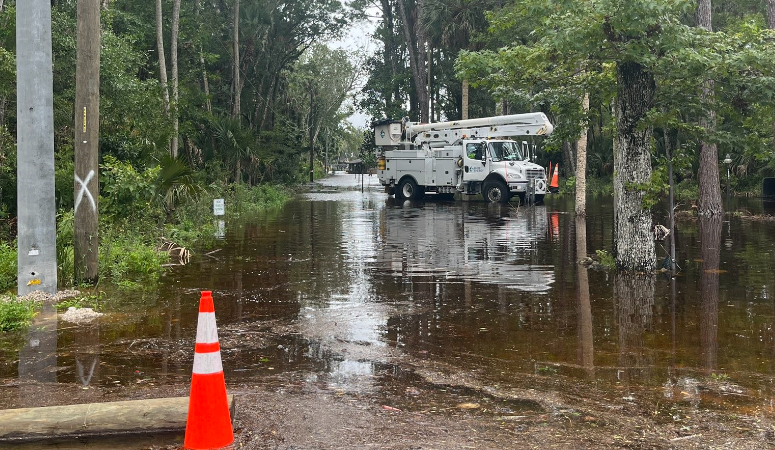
(495, 191)
(408, 189)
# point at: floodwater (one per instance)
(340, 287)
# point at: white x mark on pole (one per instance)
(85, 190)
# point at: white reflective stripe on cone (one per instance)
(206, 329)
(207, 363)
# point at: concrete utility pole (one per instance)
(36, 246)
(87, 133)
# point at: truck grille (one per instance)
(535, 173)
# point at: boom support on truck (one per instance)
(464, 156)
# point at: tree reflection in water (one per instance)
(584, 307)
(634, 299)
(710, 238)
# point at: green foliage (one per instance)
(15, 314)
(128, 258)
(257, 199)
(65, 251)
(93, 301)
(126, 192)
(606, 259)
(8, 267)
(556, 51)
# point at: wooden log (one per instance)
(97, 419)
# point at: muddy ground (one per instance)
(425, 403)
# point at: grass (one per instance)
(15, 314)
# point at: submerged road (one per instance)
(425, 306)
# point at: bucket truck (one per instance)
(471, 157)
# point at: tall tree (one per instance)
(237, 112)
(174, 58)
(633, 241)
(708, 176)
(87, 133)
(162, 58)
(581, 163)
(771, 25)
(415, 43)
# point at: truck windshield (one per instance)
(508, 150)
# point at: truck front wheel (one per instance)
(495, 191)
(408, 189)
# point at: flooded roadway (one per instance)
(359, 294)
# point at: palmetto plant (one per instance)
(175, 181)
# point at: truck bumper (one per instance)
(518, 187)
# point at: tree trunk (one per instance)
(162, 59)
(708, 178)
(174, 62)
(771, 14)
(205, 84)
(87, 132)
(671, 205)
(771, 25)
(581, 163)
(430, 83)
(237, 84)
(464, 102)
(568, 159)
(585, 336)
(710, 237)
(417, 55)
(633, 241)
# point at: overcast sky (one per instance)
(358, 41)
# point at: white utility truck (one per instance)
(465, 156)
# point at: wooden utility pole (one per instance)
(87, 133)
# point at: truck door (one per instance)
(475, 161)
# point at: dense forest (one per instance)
(249, 92)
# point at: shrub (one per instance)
(8, 267)
(15, 314)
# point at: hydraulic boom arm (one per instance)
(446, 133)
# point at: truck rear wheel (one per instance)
(408, 189)
(495, 191)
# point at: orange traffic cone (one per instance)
(209, 423)
(554, 186)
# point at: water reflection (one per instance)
(489, 244)
(38, 357)
(710, 237)
(586, 348)
(634, 297)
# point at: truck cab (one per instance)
(501, 169)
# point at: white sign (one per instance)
(220, 231)
(218, 207)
